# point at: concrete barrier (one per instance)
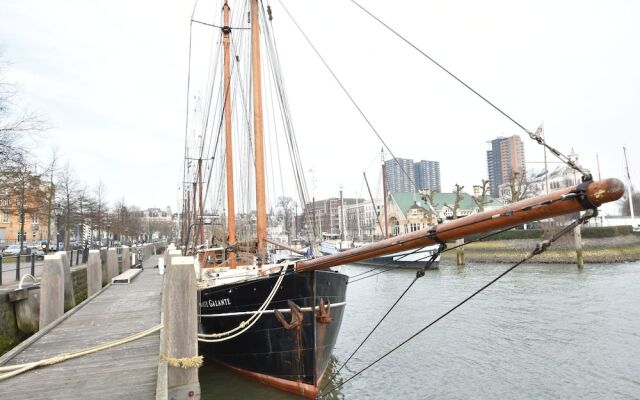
(52, 290)
(69, 294)
(94, 272)
(112, 263)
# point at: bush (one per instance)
(606, 231)
(511, 234)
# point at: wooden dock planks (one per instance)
(126, 371)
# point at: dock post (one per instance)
(577, 235)
(112, 263)
(52, 290)
(181, 329)
(69, 295)
(33, 264)
(460, 252)
(94, 272)
(126, 258)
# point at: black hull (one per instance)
(290, 359)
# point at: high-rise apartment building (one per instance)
(425, 174)
(505, 158)
(397, 179)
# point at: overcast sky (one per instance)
(110, 77)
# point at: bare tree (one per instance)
(51, 170)
(99, 212)
(25, 191)
(285, 207)
(456, 204)
(521, 186)
(67, 200)
(15, 123)
(482, 201)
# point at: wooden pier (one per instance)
(131, 370)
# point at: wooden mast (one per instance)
(231, 217)
(384, 193)
(195, 217)
(564, 201)
(261, 206)
(201, 202)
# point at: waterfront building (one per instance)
(504, 158)
(326, 214)
(34, 212)
(408, 212)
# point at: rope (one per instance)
(184, 362)
(532, 135)
(20, 368)
(540, 248)
(247, 324)
(419, 274)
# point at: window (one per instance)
(35, 218)
(5, 217)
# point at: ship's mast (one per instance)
(630, 187)
(384, 194)
(231, 217)
(261, 206)
(201, 201)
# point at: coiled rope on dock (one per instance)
(247, 324)
(13, 370)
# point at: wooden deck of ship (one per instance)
(127, 371)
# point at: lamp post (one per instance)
(108, 235)
(58, 213)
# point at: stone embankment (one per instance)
(595, 250)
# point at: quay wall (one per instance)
(595, 250)
(10, 335)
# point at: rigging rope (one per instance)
(540, 248)
(362, 114)
(535, 136)
(247, 324)
(419, 274)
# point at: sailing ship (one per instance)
(278, 322)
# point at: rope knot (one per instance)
(184, 362)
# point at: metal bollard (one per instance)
(77, 257)
(18, 268)
(33, 264)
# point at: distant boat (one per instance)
(412, 259)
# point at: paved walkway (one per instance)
(126, 371)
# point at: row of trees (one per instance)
(50, 193)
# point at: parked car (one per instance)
(11, 251)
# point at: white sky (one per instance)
(110, 76)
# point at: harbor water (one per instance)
(541, 332)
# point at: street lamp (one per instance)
(58, 213)
(108, 235)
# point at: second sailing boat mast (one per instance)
(231, 217)
(261, 206)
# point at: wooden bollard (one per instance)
(51, 290)
(112, 263)
(94, 272)
(577, 236)
(181, 329)
(126, 258)
(69, 293)
(460, 252)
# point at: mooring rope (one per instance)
(13, 370)
(246, 324)
(540, 248)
